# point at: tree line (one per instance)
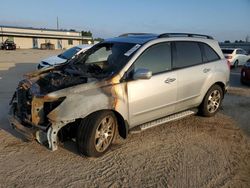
(239, 41)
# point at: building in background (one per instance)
(26, 38)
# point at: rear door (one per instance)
(155, 97)
(194, 62)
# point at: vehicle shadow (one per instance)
(70, 145)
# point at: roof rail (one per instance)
(184, 35)
(133, 34)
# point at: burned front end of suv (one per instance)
(31, 104)
(49, 99)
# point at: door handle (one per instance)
(206, 70)
(169, 80)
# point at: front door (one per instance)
(152, 98)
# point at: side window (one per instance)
(101, 54)
(187, 54)
(238, 52)
(156, 58)
(208, 53)
(70, 42)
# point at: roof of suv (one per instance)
(141, 38)
(137, 39)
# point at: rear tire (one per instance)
(212, 101)
(96, 133)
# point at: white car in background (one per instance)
(236, 56)
(63, 57)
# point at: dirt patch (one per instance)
(195, 152)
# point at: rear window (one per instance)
(227, 51)
(187, 54)
(241, 52)
(208, 53)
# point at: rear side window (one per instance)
(187, 54)
(208, 53)
(157, 58)
(240, 52)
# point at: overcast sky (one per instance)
(223, 19)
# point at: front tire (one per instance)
(96, 133)
(212, 101)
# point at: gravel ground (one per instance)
(192, 152)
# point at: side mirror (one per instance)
(142, 73)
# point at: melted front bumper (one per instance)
(45, 136)
(29, 132)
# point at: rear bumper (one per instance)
(10, 47)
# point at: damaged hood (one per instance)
(55, 82)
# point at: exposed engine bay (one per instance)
(30, 92)
(67, 77)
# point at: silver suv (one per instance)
(124, 84)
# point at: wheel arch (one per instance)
(202, 110)
(123, 127)
(219, 83)
(222, 85)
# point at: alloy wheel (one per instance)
(214, 100)
(104, 133)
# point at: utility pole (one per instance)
(2, 32)
(57, 23)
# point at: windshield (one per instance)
(68, 54)
(105, 58)
(226, 51)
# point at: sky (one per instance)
(223, 19)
